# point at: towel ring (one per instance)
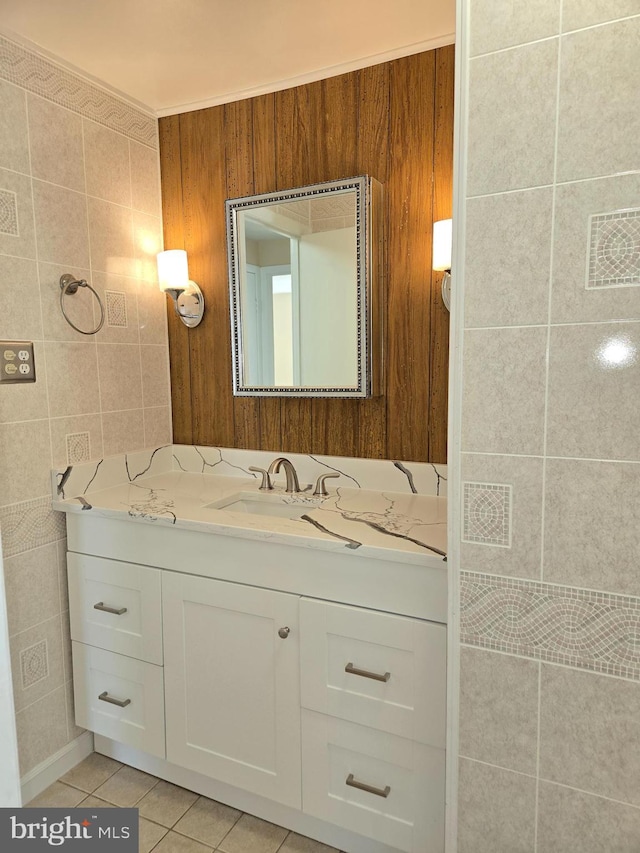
(69, 285)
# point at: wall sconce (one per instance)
(173, 278)
(442, 238)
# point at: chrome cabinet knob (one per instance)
(283, 633)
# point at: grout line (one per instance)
(557, 458)
(553, 325)
(538, 729)
(497, 766)
(552, 782)
(512, 47)
(91, 272)
(562, 33)
(549, 307)
(565, 183)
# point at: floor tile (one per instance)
(300, 844)
(166, 803)
(91, 773)
(149, 835)
(207, 821)
(57, 796)
(174, 843)
(252, 835)
(92, 802)
(126, 787)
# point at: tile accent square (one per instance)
(116, 308)
(78, 448)
(487, 514)
(614, 249)
(34, 664)
(9, 213)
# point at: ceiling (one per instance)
(174, 55)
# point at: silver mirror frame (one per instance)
(369, 248)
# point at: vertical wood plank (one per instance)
(204, 188)
(410, 197)
(373, 157)
(334, 422)
(392, 121)
(172, 223)
(264, 177)
(238, 136)
(442, 208)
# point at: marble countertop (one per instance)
(385, 525)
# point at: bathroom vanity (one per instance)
(289, 662)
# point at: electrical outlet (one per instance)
(16, 361)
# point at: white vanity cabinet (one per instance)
(307, 710)
(232, 684)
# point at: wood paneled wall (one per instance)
(393, 121)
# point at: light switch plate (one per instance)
(16, 362)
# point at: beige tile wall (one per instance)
(550, 667)
(85, 173)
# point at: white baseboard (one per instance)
(49, 771)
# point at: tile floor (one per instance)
(172, 820)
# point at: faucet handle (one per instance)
(265, 485)
(320, 490)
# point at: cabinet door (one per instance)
(232, 684)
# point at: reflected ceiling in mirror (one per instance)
(304, 278)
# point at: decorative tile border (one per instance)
(29, 525)
(614, 249)
(590, 630)
(43, 77)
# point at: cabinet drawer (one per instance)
(116, 606)
(383, 671)
(404, 806)
(100, 676)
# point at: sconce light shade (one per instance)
(442, 240)
(442, 237)
(173, 270)
(173, 279)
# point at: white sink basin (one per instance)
(257, 504)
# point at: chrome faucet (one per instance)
(290, 472)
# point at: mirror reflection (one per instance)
(299, 275)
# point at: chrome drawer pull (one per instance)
(352, 670)
(379, 792)
(102, 606)
(121, 703)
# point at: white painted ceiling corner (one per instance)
(171, 56)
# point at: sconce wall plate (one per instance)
(446, 290)
(173, 278)
(189, 304)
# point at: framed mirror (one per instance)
(304, 277)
